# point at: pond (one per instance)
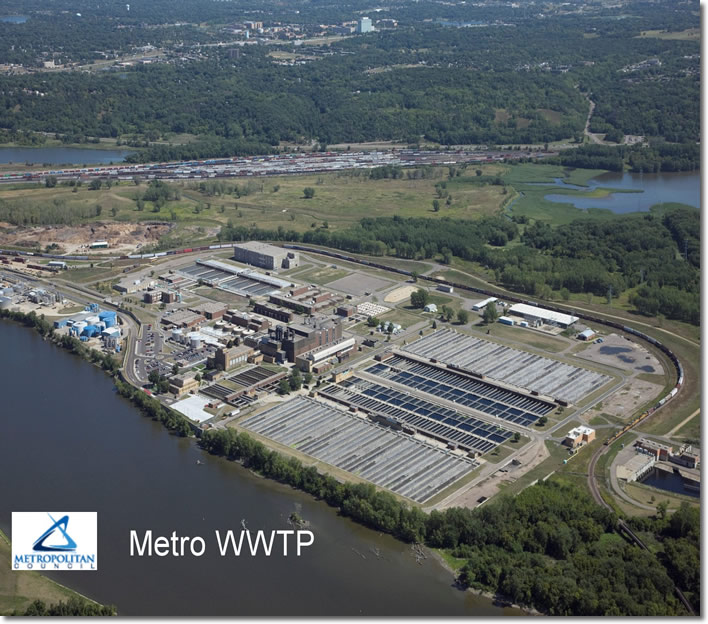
(637, 192)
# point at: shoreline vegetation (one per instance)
(50, 597)
(550, 548)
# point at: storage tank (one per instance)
(79, 326)
(92, 320)
(108, 317)
(177, 334)
(5, 303)
(194, 340)
(90, 331)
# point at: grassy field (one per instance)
(341, 200)
(18, 589)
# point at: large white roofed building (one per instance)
(533, 313)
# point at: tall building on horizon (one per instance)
(364, 25)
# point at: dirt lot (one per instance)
(400, 294)
(630, 397)
(75, 239)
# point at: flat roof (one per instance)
(574, 433)
(484, 302)
(193, 408)
(547, 315)
(264, 248)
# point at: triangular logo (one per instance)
(61, 525)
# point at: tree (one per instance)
(517, 436)
(295, 380)
(308, 192)
(372, 321)
(308, 378)
(490, 314)
(414, 276)
(448, 313)
(662, 508)
(436, 205)
(50, 181)
(95, 184)
(542, 421)
(283, 386)
(420, 298)
(114, 211)
(175, 369)
(154, 377)
(463, 317)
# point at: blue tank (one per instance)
(108, 317)
(90, 331)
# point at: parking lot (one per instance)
(392, 460)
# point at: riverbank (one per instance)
(19, 589)
(497, 599)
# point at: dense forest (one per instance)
(659, 156)
(519, 79)
(605, 257)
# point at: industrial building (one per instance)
(183, 384)
(536, 316)
(656, 449)
(130, 285)
(305, 299)
(273, 311)
(579, 436)
(506, 320)
(316, 360)
(227, 358)
(636, 467)
(182, 318)
(210, 310)
(480, 305)
(588, 334)
(265, 256)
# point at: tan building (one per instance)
(578, 436)
(227, 358)
(182, 384)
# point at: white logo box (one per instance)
(55, 540)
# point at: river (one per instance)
(61, 155)
(70, 443)
(654, 188)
